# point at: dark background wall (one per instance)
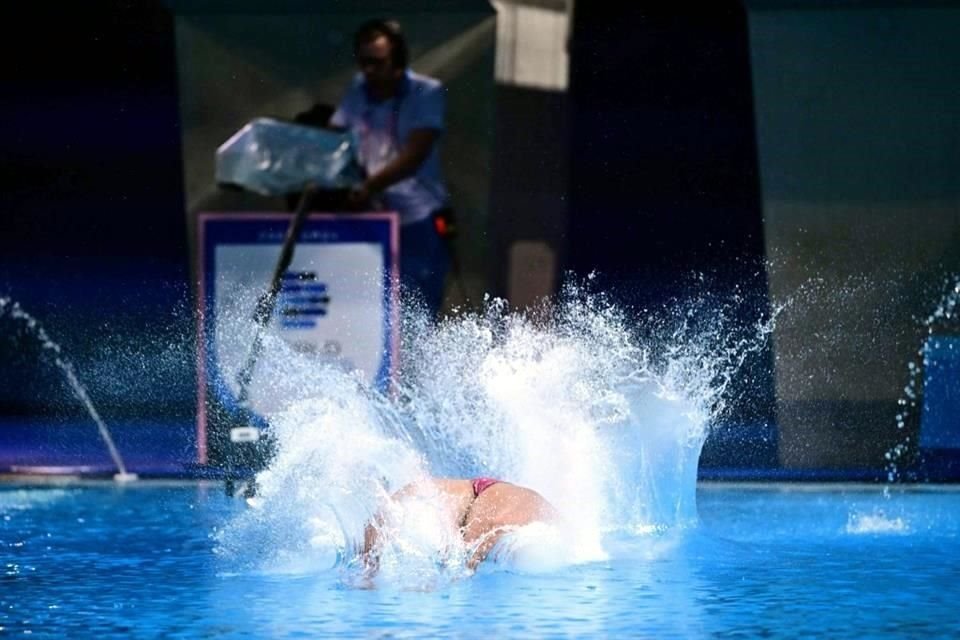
(664, 175)
(92, 239)
(859, 143)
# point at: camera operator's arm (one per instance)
(413, 153)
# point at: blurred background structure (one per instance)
(780, 151)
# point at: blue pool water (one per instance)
(776, 561)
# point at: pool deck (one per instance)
(63, 480)
(32, 449)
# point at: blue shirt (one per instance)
(380, 128)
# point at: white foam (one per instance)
(876, 522)
(27, 499)
(606, 426)
(538, 547)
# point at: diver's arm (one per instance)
(370, 554)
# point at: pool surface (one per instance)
(838, 561)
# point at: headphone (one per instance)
(390, 29)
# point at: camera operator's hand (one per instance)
(359, 196)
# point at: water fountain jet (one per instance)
(17, 314)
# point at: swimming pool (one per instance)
(834, 561)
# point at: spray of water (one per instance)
(602, 411)
(52, 350)
(944, 316)
(875, 522)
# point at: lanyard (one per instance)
(394, 121)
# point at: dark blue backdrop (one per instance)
(92, 235)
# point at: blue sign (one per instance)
(337, 306)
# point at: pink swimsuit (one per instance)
(482, 484)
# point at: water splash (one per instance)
(944, 315)
(52, 350)
(875, 522)
(602, 411)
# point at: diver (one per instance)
(481, 509)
